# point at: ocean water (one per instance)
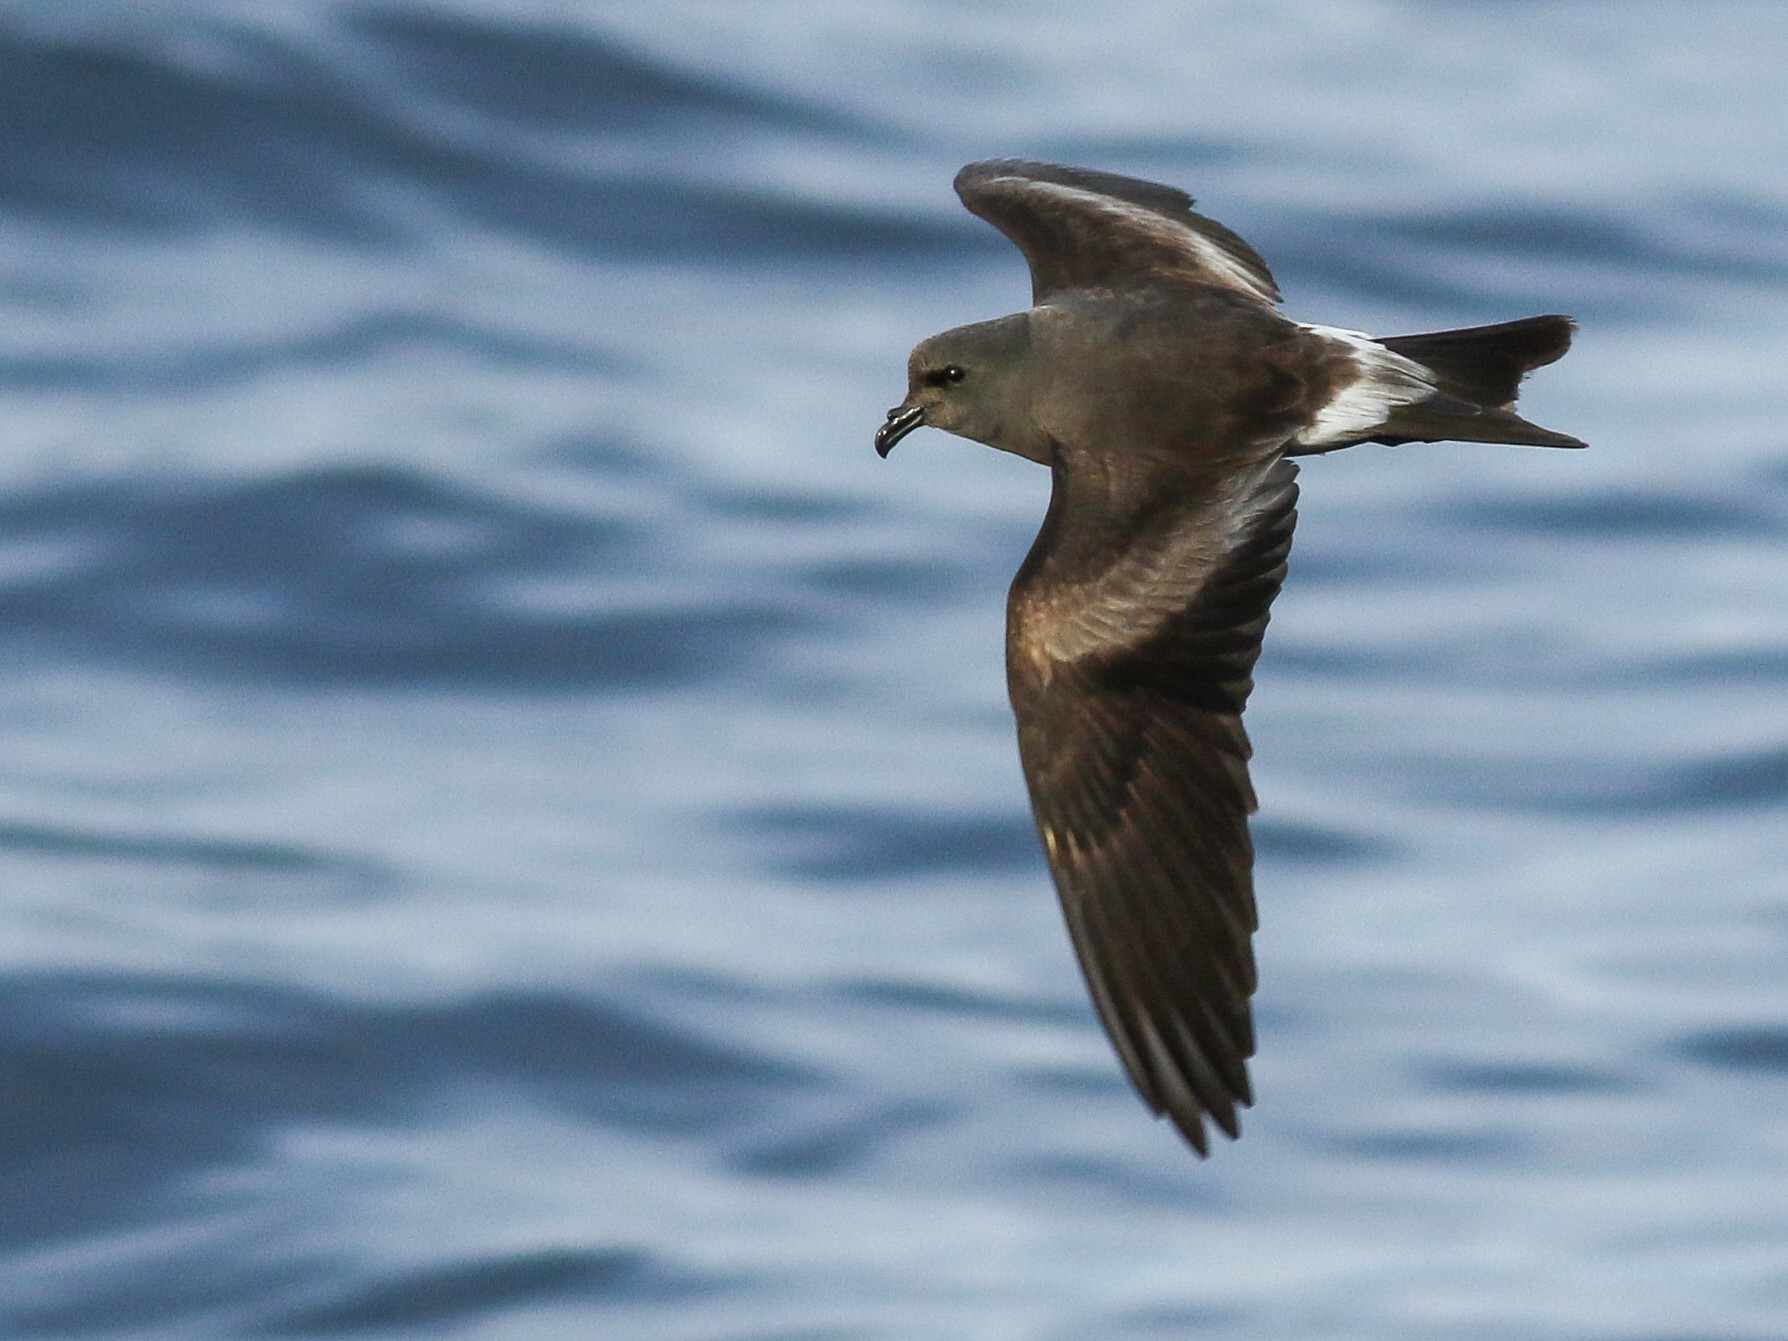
(509, 823)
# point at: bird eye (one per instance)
(948, 375)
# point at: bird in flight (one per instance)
(1157, 380)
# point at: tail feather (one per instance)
(1445, 418)
(1477, 372)
(1485, 364)
(1461, 389)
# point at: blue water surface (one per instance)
(508, 817)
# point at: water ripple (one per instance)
(566, 79)
(179, 850)
(352, 574)
(127, 139)
(834, 844)
(119, 1086)
(353, 341)
(459, 1292)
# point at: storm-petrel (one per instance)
(1155, 378)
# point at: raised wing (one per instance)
(1129, 667)
(1083, 229)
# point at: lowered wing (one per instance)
(1129, 666)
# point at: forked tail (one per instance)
(1475, 374)
(1478, 371)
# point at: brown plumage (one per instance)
(1156, 379)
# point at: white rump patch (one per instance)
(1384, 381)
(1206, 255)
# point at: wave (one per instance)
(449, 113)
(353, 574)
(387, 127)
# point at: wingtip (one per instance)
(1192, 1128)
(1192, 1131)
(986, 169)
(1138, 190)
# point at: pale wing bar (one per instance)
(1083, 229)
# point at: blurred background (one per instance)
(509, 823)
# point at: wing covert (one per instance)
(1083, 229)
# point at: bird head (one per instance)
(968, 381)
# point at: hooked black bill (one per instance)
(902, 419)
